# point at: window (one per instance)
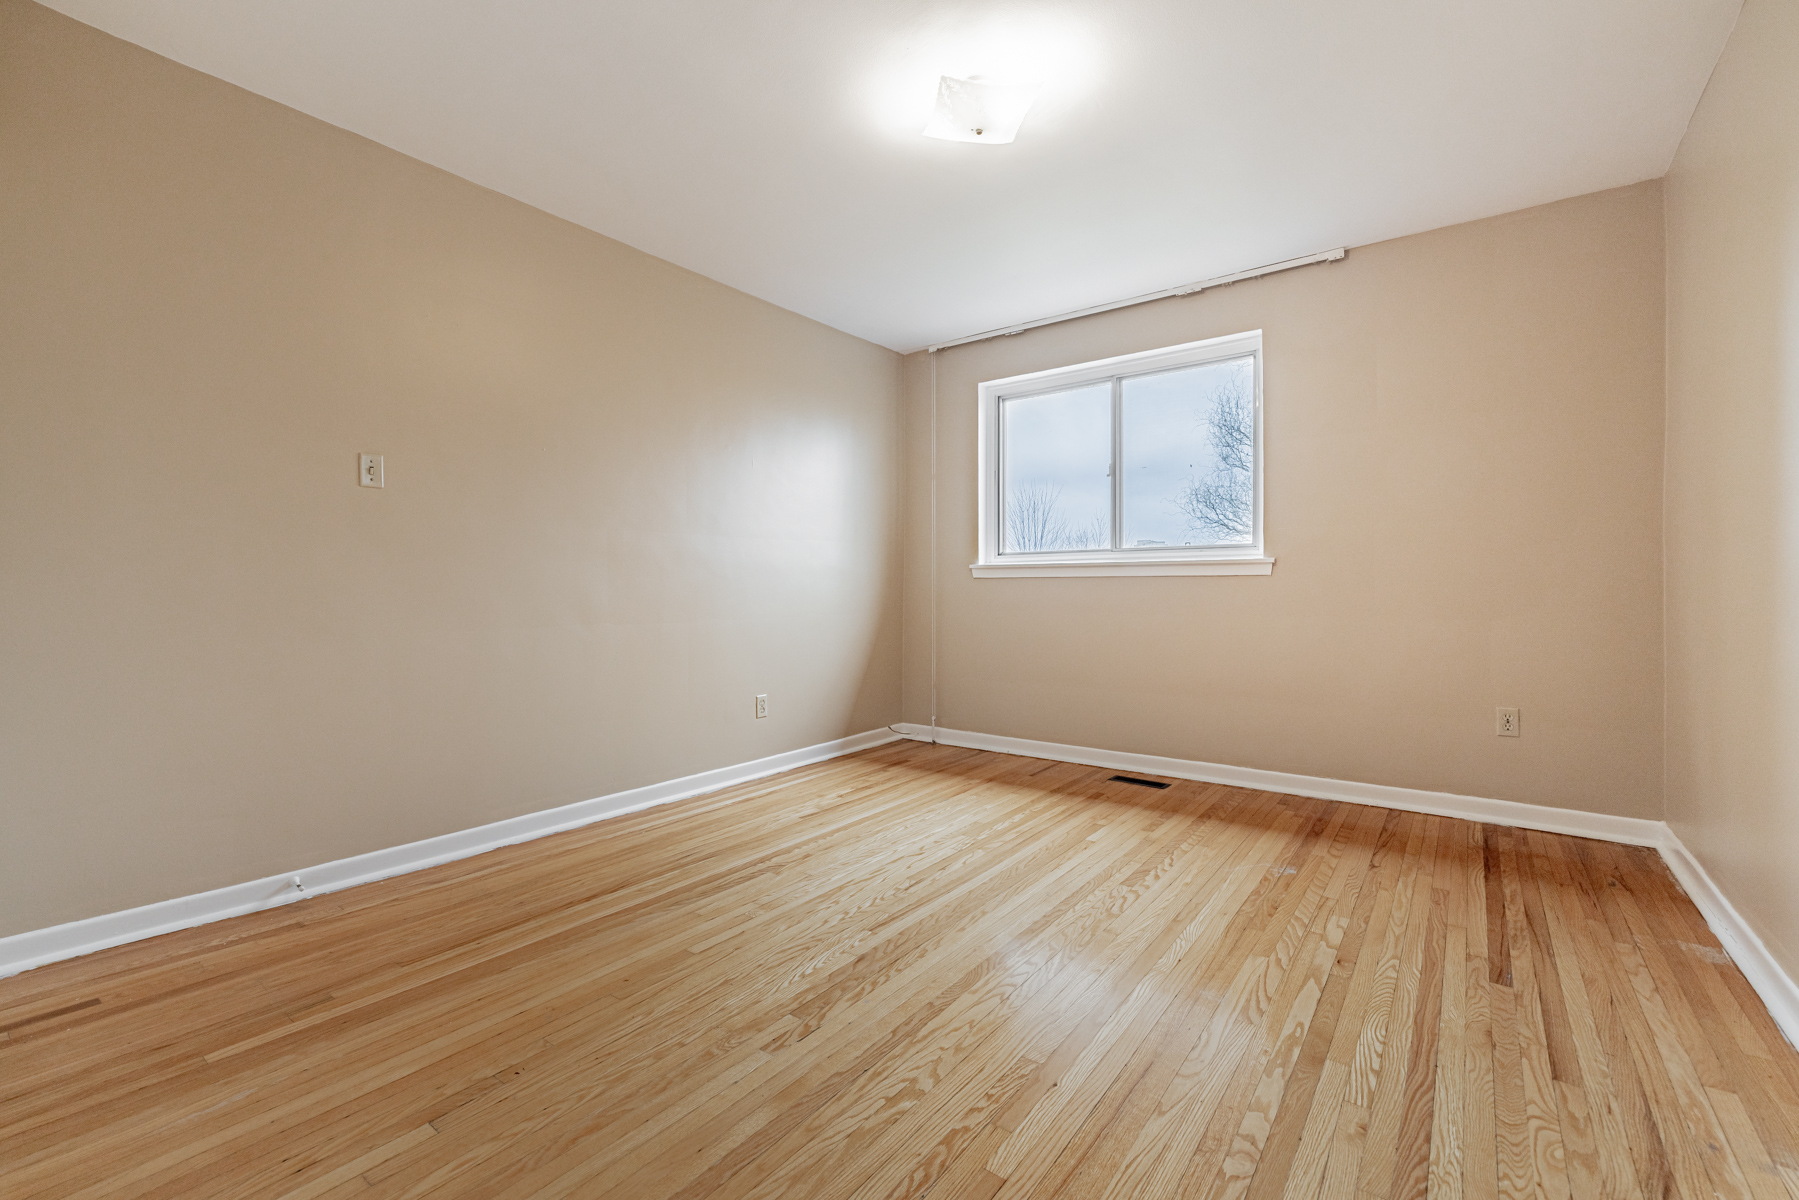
(1148, 464)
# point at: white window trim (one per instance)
(1250, 559)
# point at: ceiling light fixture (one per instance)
(979, 109)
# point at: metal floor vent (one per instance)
(1139, 782)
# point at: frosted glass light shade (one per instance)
(979, 110)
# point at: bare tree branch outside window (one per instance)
(1221, 506)
(1035, 523)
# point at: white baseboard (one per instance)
(1764, 973)
(1741, 942)
(37, 947)
(34, 948)
(1630, 830)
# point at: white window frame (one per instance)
(1250, 559)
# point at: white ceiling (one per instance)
(774, 146)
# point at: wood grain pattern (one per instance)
(928, 971)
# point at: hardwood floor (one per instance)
(922, 970)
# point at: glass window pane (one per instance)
(1056, 463)
(1189, 456)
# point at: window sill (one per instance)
(1190, 566)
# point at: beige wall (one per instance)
(1733, 477)
(1464, 445)
(621, 500)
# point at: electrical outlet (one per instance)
(371, 474)
(1505, 722)
(761, 707)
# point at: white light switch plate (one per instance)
(371, 474)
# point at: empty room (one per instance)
(847, 601)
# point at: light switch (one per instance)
(371, 471)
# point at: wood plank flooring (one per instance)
(929, 971)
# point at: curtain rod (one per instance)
(1186, 289)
